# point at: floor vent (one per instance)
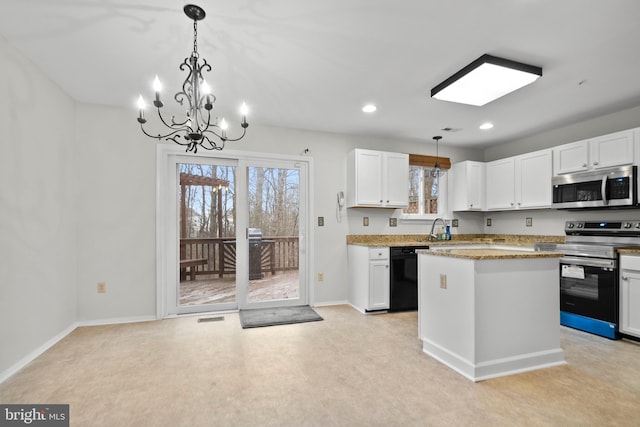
(210, 319)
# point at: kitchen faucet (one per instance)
(433, 225)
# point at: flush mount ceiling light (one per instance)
(486, 79)
(369, 108)
(197, 129)
(486, 126)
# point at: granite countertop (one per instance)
(634, 250)
(488, 253)
(379, 240)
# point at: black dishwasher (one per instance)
(403, 283)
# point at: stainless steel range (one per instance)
(589, 273)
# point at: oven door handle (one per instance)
(589, 262)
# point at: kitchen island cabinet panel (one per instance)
(487, 317)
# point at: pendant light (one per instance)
(437, 170)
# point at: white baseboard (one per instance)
(327, 303)
(4, 375)
(494, 368)
(116, 320)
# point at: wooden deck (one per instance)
(211, 289)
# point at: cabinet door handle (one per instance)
(511, 203)
(387, 201)
(584, 165)
(471, 205)
(380, 200)
(625, 278)
(387, 266)
(595, 163)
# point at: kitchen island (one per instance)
(488, 312)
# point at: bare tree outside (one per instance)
(208, 194)
(208, 257)
(274, 198)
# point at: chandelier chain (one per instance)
(195, 38)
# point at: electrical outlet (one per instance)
(529, 222)
(393, 222)
(454, 222)
(320, 277)
(365, 221)
(488, 222)
(102, 287)
(320, 221)
(443, 281)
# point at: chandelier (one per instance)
(437, 170)
(198, 128)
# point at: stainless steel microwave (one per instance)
(615, 187)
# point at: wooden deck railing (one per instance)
(275, 253)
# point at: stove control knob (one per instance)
(580, 225)
(627, 225)
(638, 225)
(570, 225)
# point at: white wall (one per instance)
(115, 204)
(38, 247)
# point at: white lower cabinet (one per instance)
(630, 295)
(368, 277)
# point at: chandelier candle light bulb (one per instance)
(157, 87)
(244, 110)
(141, 106)
(199, 129)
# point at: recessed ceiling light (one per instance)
(369, 108)
(486, 126)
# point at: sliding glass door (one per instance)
(275, 206)
(231, 233)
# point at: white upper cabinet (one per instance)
(570, 158)
(377, 179)
(533, 180)
(466, 186)
(520, 182)
(612, 150)
(500, 181)
(616, 149)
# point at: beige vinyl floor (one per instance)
(348, 370)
